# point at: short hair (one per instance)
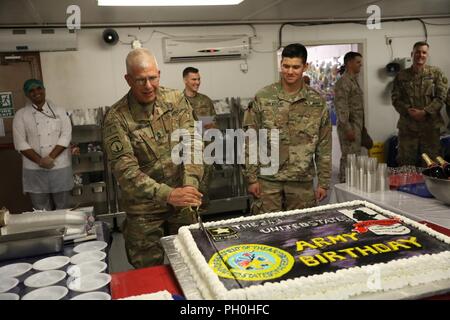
(188, 70)
(138, 57)
(420, 44)
(295, 50)
(349, 56)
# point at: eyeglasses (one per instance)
(143, 81)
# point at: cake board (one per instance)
(191, 292)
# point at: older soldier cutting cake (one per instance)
(137, 136)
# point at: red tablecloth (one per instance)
(154, 279)
(143, 281)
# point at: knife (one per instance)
(211, 242)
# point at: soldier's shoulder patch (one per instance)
(115, 140)
(115, 145)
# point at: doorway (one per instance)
(15, 69)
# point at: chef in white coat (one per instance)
(42, 133)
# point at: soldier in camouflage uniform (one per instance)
(202, 106)
(418, 96)
(349, 104)
(137, 138)
(301, 116)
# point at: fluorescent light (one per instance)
(164, 3)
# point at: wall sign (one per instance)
(6, 106)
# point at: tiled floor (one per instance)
(118, 259)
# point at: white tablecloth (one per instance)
(409, 205)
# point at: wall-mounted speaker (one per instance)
(110, 36)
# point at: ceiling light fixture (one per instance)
(164, 3)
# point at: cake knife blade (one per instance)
(211, 242)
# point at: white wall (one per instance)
(93, 75)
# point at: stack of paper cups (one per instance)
(351, 172)
(382, 177)
(362, 162)
(371, 174)
(362, 179)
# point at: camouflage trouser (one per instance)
(282, 196)
(412, 144)
(143, 231)
(347, 147)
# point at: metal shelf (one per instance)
(96, 194)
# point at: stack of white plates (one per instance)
(45, 278)
(51, 263)
(90, 246)
(86, 271)
(95, 295)
(15, 270)
(9, 296)
(86, 268)
(88, 283)
(7, 284)
(47, 293)
(88, 256)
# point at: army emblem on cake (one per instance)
(222, 233)
(251, 262)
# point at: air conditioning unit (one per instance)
(200, 48)
(46, 39)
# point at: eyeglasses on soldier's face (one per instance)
(143, 81)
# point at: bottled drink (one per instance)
(445, 166)
(434, 170)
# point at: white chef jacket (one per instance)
(42, 131)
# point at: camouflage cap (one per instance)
(31, 84)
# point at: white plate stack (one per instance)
(86, 274)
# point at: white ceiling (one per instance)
(51, 12)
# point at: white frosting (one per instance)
(160, 295)
(342, 284)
